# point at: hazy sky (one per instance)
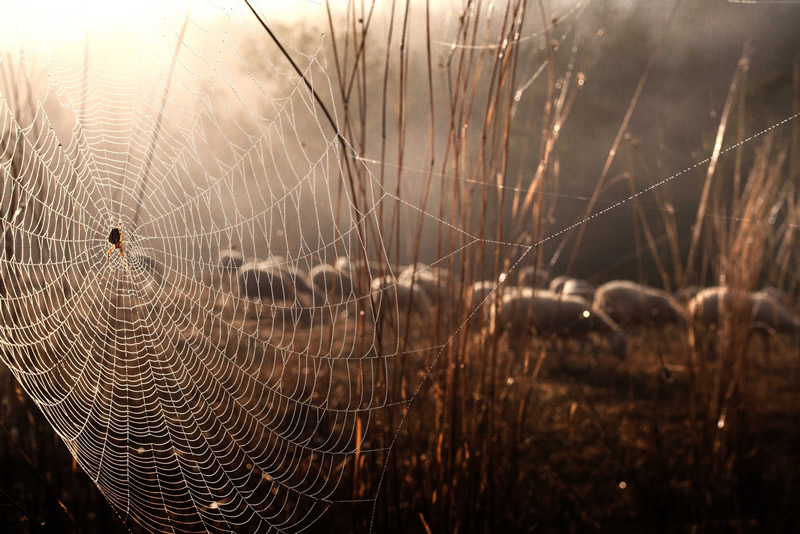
(131, 46)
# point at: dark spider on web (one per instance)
(115, 238)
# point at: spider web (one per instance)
(197, 397)
(204, 382)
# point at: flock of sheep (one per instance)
(563, 308)
(574, 308)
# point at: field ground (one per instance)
(576, 444)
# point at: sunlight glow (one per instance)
(53, 21)
(47, 25)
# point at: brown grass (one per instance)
(486, 433)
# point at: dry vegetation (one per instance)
(510, 435)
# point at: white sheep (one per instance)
(568, 285)
(264, 279)
(579, 288)
(303, 286)
(547, 313)
(389, 293)
(342, 264)
(230, 259)
(557, 284)
(419, 270)
(476, 293)
(275, 281)
(435, 282)
(629, 303)
(531, 276)
(269, 280)
(331, 280)
(373, 267)
(777, 294)
(774, 316)
(703, 308)
(475, 297)
(761, 312)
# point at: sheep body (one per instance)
(420, 270)
(269, 279)
(579, 288)
(475, 297)
(705, 308)
(629, 303)
(389, 292)
(568, 285)
(342, 264)
(557, 284)
(264, 279)
(230, 259)
(301, 283)
(433, 281)
(772, 312)
(777, 294)
(547, 312)
(761, 311)
(331, 280)
(531, 276)
(372, 268)
(477, 292)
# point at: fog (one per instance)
(200, 392)
(232, 93)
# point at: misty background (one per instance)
(226, 147)
(237, 124)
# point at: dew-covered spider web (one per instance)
(243, 357)
(195, 372)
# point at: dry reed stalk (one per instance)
(345, 91)
(455, 151)
(669, 221)
(702, 207)
(740, 123)
(469, 402)
(645, 226)
(620, 133)
(748, 241)
(510, 63)
(794, 150)
(784, 256)
(547, 143)
(348, 76)
(354, 173)
(549, 140)
(637, 238)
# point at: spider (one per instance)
(115, 238)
